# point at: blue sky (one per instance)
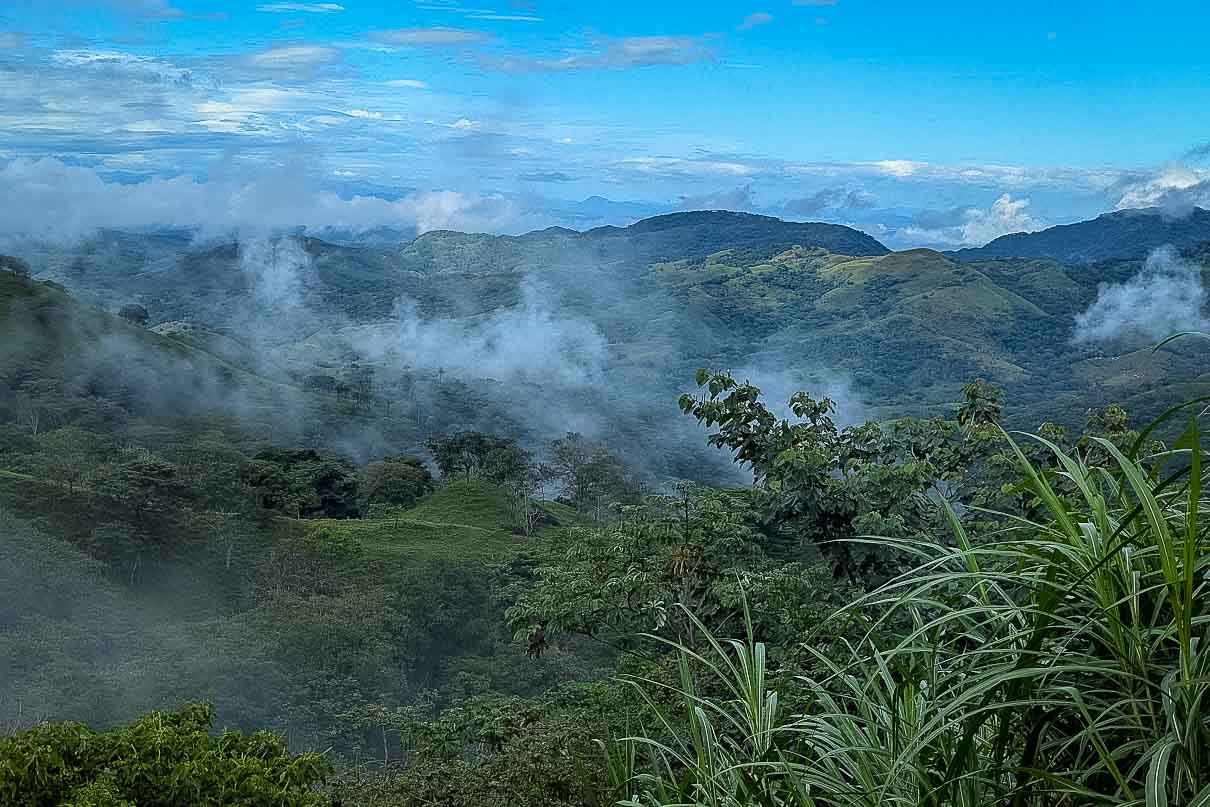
(934, 123)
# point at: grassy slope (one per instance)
(464, 520)
(911, 327)
(42, 323)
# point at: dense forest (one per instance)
(292, 558)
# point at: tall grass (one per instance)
(1059, 661)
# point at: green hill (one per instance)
(1120, 235)
(658, 299)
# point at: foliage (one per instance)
(11, 263)
(398, 481)
(469, 454)
(824, 485)
(981, 406)
(303, 482)
(591, 475)
(1056, 663)
(497, 751)
(134, 313)
(164, 758)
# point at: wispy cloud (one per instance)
(300, 8)
(410, 83)
(676, 166)
(505, 17)
(430, 37)
(755, 20)
(275, 199)
(547, 176)
(607, 53)
(295, 56)
(11, 40)
(151, 9)
(1167, 296)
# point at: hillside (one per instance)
(63, 358)
(455, 329)
(1121, 235)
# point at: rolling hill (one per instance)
(1120, 235)
(598, 331)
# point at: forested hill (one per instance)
(1121, 235)
(677, 236)
(601, 323)
(434, 510)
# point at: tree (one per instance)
(134, 313)
(981, 405)
(825, 486)
(591, 475)
(163, 759)
(11, 263)
(67, 456)
(700, 550)
(396, 481)
(303, 483)
(466, 453)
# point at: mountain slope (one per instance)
(1121, 235)
(597, 331)
(64, 361)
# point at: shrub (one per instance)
(164, 759)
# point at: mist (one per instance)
(529, 343)
(1168, 295)
(286, 197)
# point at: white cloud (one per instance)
(1006, 215)
(899, 168)
(1172, 186)
(972, 226)
(276, 199)
(153, 9)
(410, 83)
(1167, 296)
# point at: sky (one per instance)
(938, 124)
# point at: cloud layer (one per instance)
(52, 201)
(1167, 296)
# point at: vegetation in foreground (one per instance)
(929, 613)
(1042, 647)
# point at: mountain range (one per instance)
(590, 331)
(1120, 235)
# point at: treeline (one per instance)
(580, 472)
(927, 612)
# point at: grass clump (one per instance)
(1062, 660)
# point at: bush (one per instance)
(164, 759)
(10, 263)
(1058, 663)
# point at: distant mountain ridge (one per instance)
(720, 228)
(673, 236)
(1120, 235)
(641, 307)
